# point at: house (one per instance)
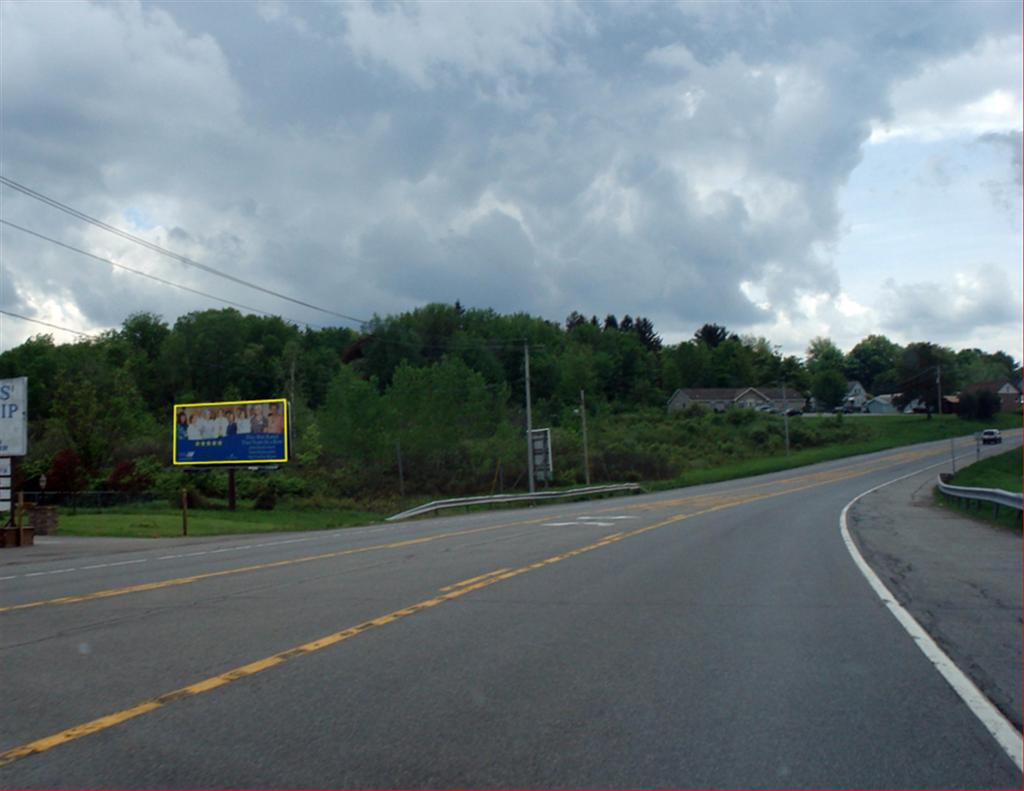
(1009, 394)
(856, 396)
(719, 399)
(880, 405)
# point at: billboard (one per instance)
(14, 416)
(231, 432)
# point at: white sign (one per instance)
(14, 416)
(540, 446)
(5, 494)
(5, 466)
(5, 505)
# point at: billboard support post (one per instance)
(231, 488)
(184, 512)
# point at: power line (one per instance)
(47, 324)
(163, 251)
(147, 274)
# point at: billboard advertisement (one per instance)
(14, 416)
(231, 432)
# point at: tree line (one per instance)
(440, 386)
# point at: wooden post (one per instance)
(184, 512)
(231, 488)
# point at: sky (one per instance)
(789, 170)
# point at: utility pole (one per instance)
(938, 389)
(583, 418)
(401, 475)
(529, 419)
(785, 414)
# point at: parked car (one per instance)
(793, 412)
(991, 436)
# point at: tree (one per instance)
(765, 361)
(98, 409)
(871, 358)
(824, 355)
(352, 419)
(574, 320)
(711, 335)
(919, 372)
(978, 406)
(644, 329)
(828, 388)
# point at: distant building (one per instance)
(880, 405)
(721, 398)
(1009, 394)
(856, 396)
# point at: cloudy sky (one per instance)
(786, 169)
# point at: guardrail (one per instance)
(998, 497)
(462, 502)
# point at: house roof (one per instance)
(732, 393)
(994, 386)
(710, 393)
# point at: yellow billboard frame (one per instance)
(235, 463)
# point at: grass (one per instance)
(164, 522)
(873, 434)
(997, 472)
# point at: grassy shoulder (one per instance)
(164, 522)
(859, 435)
(996, 472)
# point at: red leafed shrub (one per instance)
(66, 473)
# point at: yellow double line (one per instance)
(728, 497)
(447, 594)
(170, 583)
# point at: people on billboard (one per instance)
(232, 426)
(181, 429)
(257, 421)
(207, 425)
(242, 420)
(275, 420)
(220, 423)
(193, 426)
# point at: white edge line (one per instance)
(1001, 728)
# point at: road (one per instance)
(718, 636)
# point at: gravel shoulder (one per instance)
(960, 578)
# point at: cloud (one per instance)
(976, 300)
(681, 162)
(429, 43)
(971, 94)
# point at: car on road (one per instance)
(991, 436)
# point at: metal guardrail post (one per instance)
(459, 502)
(997, 497)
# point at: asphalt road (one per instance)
(718, 636)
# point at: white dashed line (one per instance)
(42, 573)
